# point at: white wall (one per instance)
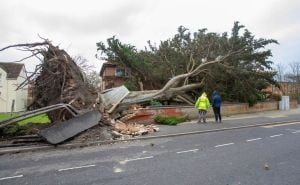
(21, 94)
(3, 90)
(9, 93)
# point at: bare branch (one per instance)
(25, 58)
(29, 45)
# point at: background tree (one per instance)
(280, 75)
(90, 75)
(294, 77)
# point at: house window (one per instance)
(120, 72)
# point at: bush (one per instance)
(17, 130)
(170, 120)
(252, 100)
(155, 103)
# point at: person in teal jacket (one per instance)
(202, 104)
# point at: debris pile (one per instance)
(121, 120)
(121, 128)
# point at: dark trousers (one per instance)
(217, 112)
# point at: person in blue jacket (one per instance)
(216, 105)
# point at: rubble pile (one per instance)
(121, 128)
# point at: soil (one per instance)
(97, 133)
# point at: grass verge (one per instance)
(40, 119)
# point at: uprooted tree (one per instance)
(57, 79)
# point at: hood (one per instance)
(204, 94)
(215, 93)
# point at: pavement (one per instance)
(234, 121)
(192, 127)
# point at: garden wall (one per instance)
(146, 115)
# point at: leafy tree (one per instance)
(242, 72)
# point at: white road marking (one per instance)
(290, 130)
(185, 151)
(255, 139)
(277, 135)
(77, 167)
(297, 131)
(136, 159)
(118, 170)
(224, 145)
(12, 177)
(275, 116)
(280, 125)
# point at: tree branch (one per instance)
(29, 45)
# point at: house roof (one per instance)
(105, 65)
(13, 69)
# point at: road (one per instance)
(262, 155)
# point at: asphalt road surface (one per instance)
(253, 156)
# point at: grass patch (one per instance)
(24, 127)
(170, 120)
(42, 119)
(4, 116)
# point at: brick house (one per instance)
(113, 75)
(286, 88)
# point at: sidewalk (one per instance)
(240, 120)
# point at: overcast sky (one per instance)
(78, 25)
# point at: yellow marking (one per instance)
(280, 125)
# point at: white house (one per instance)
(11, 76)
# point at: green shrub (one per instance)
(17, 130)
(155, 103)
(252, 100)
(170, 120)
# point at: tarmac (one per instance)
(240, 121)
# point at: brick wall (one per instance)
(146, 115)
(109, 71)
(293, 104)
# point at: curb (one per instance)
(80, 145)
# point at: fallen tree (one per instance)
(172, 88)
